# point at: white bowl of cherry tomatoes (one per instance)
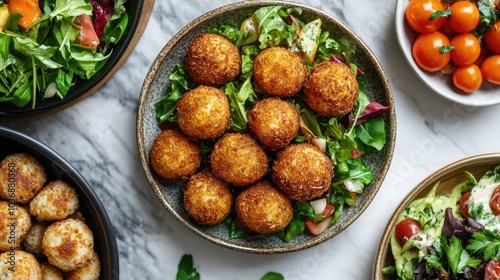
(453, 47)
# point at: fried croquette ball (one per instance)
(50, 272)
(68, 244)
(331, 89)
(238, 159)
(15, 222)
(263, 208)
(90, 271)
(174, 156)
(56, 201)
(21, 177)
(33, 240)
(274, 122)
(212, 60)
(302, 171)
(279, 72)
(19, 265)
(203, 112)
(207, 199)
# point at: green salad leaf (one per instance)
(186, 269)
(48, 54)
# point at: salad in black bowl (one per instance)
(52, 52)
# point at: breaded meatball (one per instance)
(174, 156)
(203, 112)
(90, 271)
(50, 272)
(19, 265)
(263, 208)
(274, 122)
(238, 159)
(302, 171)
(212, 60)
(21, 177)
(331, 89)
(56, 201)
(68, 244)
(207, 199)
(15, 222)
(279, 72)
(33, 241)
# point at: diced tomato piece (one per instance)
(28, 8)
(355, 153)
(87, 35)
(492, 270)
(318, 228)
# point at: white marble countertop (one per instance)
(97, 135)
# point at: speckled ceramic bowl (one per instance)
(157, 83)
(487, 94)
(449, 177)
(57, 168)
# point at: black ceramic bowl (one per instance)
(82, 88)
(94, 212)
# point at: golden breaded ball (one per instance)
(56, 201)
(207, 199)
(19, 265)
(68, 244)
(238, 159)
(203, 112)
(302, 171)
(274, 122)
(90, 271)
(279, 72)
(15, 222)
(331, 89)
(50, 272)
(212, 60)
(262, 208)
(21, 177)
(33, 240)
(174, 156)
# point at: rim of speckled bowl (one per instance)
(259, 244)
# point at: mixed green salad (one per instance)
(46, 45)
(451, 236)
(346, 139)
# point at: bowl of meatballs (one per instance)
(53, 225)
(266, 126)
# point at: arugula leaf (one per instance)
(70, 9)
(186, 269)
(235, 232)
(488, 16)
(165, 107)
(485, 243)
(273, 30)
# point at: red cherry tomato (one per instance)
(490, 68)
(426, 54)
(467, 49)
(464, 16)
(492, 270)
(406, 229)
(317, 228)
(464, 204)
(417, 15)
(495, 201)
(492, 37)
(467, 78)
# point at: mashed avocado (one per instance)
(429, 212)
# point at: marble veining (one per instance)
(97, 136)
